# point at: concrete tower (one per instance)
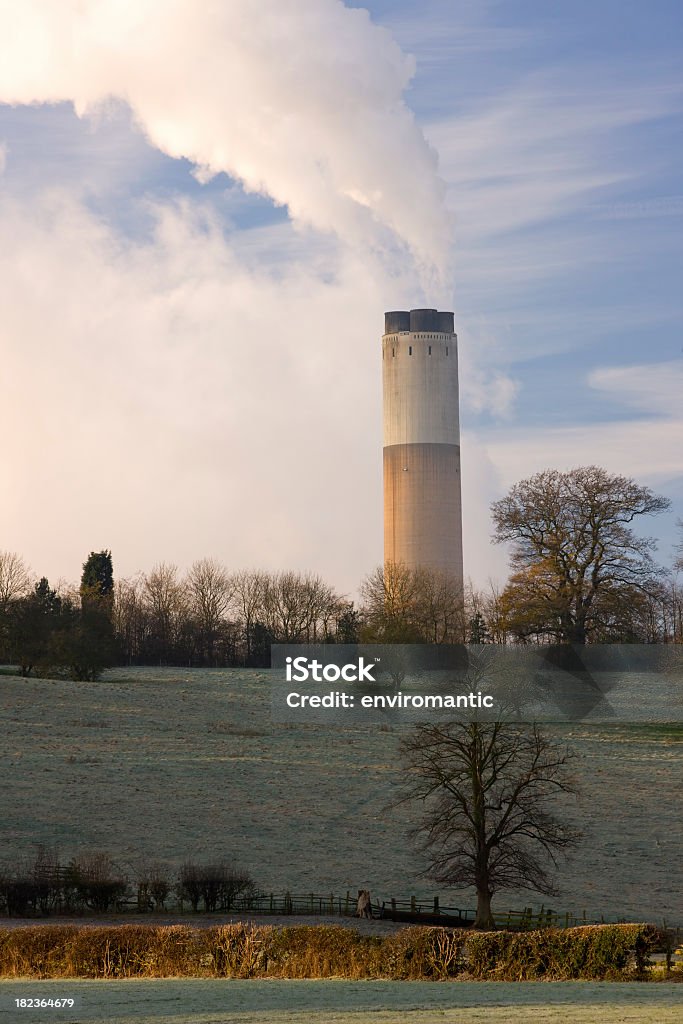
(422, 503)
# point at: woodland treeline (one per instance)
(580, 573)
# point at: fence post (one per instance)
(393, 909)
(436, 905)
(412, 905)
(346, 905)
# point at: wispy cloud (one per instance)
(641, 209)
(529, 170)
(647, 448)
(656, 388)
(538, 152)
(439, 31)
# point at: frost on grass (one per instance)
(184, 762)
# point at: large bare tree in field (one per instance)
(485, 790)
(575, 554)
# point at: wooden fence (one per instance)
(345, 906)
(426, 909)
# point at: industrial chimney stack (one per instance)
(422, 501)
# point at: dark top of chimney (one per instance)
(398, 320)
(424, 320)
(446, 325)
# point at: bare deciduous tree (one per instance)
(678, 564)
(440, 608)
(129, 616)
(210, 589)
(166, 603)
(485, 789)
(574, 552)
(218, 884)
(15, 578)
(298, 607)
(98, 881)
(404, 605)
(389, 595)
(154, 885)
(247, 600)
(487, 615)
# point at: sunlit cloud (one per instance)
(307, 109)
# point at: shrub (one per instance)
(595, 951)
(218, 884)
(96, 880)
(154, 886)
(247, 951)
(31, 888)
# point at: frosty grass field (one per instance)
(164, 764)
(342, 1002)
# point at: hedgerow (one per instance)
(255, 951)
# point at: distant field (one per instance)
(169, 763)
(340, 1002)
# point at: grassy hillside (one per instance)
(165, 763)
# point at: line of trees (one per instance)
(208, 617)
(213, 617)
(50, 632)
(580, 574)
(93, 881)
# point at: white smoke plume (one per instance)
(301, 101)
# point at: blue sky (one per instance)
(214, 344)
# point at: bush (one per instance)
(248, 951)
(96, 880)
(218, 885)
(30, 888)
(154, 886)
